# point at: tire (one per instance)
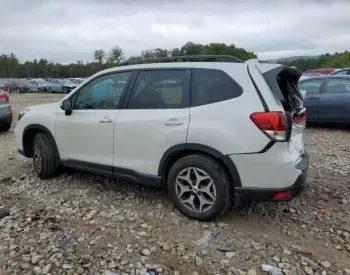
(18, 91)
(214, 178)
(45, 156)
(5, 127)
(50, 91)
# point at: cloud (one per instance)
(67, 31)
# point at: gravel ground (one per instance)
(78, 223)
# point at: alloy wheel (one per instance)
(195, 189)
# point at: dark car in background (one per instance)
(5, 111)
(327, 99)
(17, 85)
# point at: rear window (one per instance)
(289, 88)
(210, 86)
(283, 83)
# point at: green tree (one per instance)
(100, 55)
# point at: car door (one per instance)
(312, 88)
(156, 118)
(86, 136)
(335, 101)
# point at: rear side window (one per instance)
(338, 86)
(210, 86)
(311, 86)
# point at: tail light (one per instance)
(273, 124)
(4, 97)
(282, 196)
(8, 115)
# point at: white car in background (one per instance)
(54, 86)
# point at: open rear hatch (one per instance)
(287, 125)
(283, 83)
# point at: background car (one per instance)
(17, 85)
(68, 85)
(5, 112)
(327, 99)
(345, 71)
(33, 86)
(54, 86)
(321, 71)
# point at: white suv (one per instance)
(210, 129)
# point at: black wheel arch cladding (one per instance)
(28, 138)
(181, 150)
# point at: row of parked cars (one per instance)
(326, 93)
(40, 85)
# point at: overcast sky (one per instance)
(70, 30)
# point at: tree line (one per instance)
(337, 60)
(10, 66)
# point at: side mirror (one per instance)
(67, 106)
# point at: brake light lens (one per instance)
(273, 124)
(282, 196)
(4, 97)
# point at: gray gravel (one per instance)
(77, 223)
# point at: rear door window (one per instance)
(311, 86)
(160, 89)
(210, 86)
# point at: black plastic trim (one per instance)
(198, 148)
(40, 128)
(263, 102)
(114, 172)
(264, 150)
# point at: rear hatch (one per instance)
(283, 81)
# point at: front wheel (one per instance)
(199, 187)
(45, 156)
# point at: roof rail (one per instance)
(187, 58)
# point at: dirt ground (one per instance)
(78, 223)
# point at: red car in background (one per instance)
(321, 71)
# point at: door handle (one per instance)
(173, 122)
(106, 120)
(313, 97)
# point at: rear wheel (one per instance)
(45, 156)
(199, 187)
(5, 127)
